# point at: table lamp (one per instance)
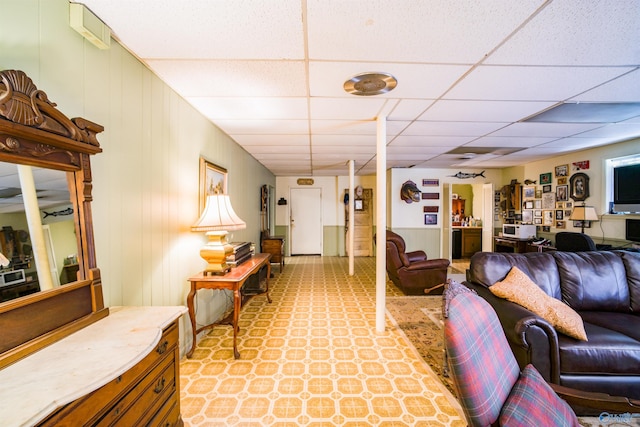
(583, 213)
(217, 219)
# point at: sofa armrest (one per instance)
(438, 263)
(532, 339)
(416, 256)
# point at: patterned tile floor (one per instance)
(313, 358)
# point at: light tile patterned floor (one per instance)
(313, 358)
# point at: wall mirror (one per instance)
(47, 149)
(24, 238)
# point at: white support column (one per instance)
(352, 216)
(381, 220)
(32, 212)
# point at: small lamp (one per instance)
(217, 218)
(583, 213)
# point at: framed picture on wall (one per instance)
(430, 219)
(213, 180)
(562, 193)
(562, 170)
(545, 178)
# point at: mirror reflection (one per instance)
(38, 245)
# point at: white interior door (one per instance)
(305, 221)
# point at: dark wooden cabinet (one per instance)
(274, 245)
(505, 244)
(471, 241)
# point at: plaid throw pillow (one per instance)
(533, 403)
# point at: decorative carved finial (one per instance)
(23, 103)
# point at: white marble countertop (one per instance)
(34, 387)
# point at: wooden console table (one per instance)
(506, 244)
(233, 280)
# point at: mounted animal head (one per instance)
(409, 192)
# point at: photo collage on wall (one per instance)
(432, 200)
(549, 202)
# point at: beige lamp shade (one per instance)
(584, 213)
(218, 217)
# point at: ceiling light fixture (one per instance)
(367, 84)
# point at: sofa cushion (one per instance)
(487, 268)
(519, 288)
(624, 323)
(533, 402)
(606, 353)
(594, 281)
(631, 261)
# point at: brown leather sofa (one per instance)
(603, 287)
(412, 272)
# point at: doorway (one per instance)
(305, 221)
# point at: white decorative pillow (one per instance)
(517, 287)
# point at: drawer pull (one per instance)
(159, 385)
(162, 347)
(119, 379)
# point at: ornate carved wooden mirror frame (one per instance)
(33, 132)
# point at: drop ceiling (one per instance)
(271, 73)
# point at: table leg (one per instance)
(267, 280)
(237, 304)
(192, 317)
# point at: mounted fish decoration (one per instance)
(409, 192)
(464, 175)
(68, 211)
(529, 182)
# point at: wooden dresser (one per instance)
(274, 245)
(122, 370)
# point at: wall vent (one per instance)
(89, 26)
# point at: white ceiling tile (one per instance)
(510, 83)
(434, 141)
(200, 78)
(544, 130)
(353, 108)
(511, 141)
(482, 111)
(623, 89)
(405, 30)
(251, 108)
(452, 128)
(368, 141)
(409, 109)
(235, 127)
(207, 29)
(576, 32)
(614, 131)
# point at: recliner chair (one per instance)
(574, 242)
(412, 272)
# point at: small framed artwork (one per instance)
(562, 170)
(430, 219)
(548, 201)
(559, 205)
(568, 205)
(528, 204)
(213, 180)
(547, 217)
(538, 194)
(546, 188)
(518, 217)
(579, 183)
(527, 216)
(580, 224)
(358, 204)
(567, 213)
(561, 224)
(562, 193)
(528, 192)
(426, 209)
(545, 178)
(537, 213)
(537, 204)
(546, 229)
(559, 215)
(537, 221)
(562, 180)
(434, 182)
(430, 196)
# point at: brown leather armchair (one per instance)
(412, 272)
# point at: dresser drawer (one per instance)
(87, 410)
(146, 398)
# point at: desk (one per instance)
(233, 280)
(506, 244)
